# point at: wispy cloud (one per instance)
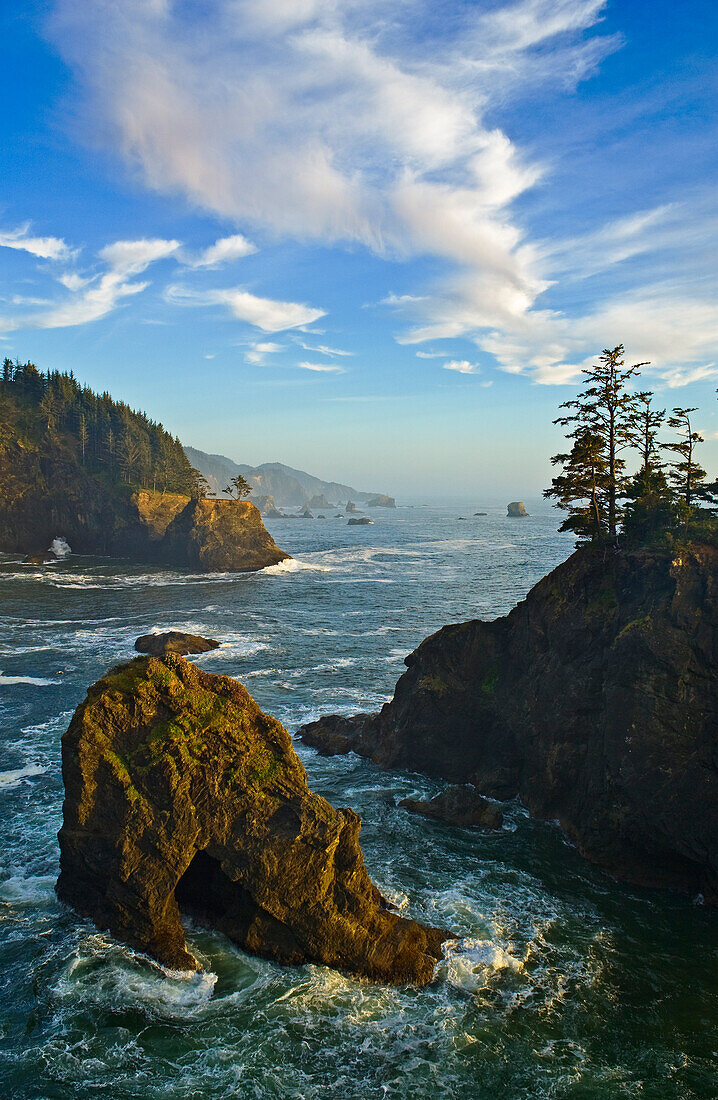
(462, 366)
(386, 142)
(322, 368)
(221, 252)
(132, 257)
(258, 352)
(322, 349)
(45, 248)
(266, 314)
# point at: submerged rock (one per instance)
(516, 508)
(458, 805)
(180, 794)
(174, 641)
(595, 701)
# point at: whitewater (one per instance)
(563, 983)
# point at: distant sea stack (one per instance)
(595, 701)
(181, 795)
(318, 502)
(516, 508)
(381, 501)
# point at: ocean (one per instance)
(563, 983)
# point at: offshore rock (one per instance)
(180, 794)
(220, 536)
(174, 641)
(363, 522)
(381, 500)
(462, 806)
(595, 701)
(516, 508)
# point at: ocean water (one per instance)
(563, 983)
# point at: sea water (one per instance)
(563, 983)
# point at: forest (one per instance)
(110, 440)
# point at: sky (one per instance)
(374, 239)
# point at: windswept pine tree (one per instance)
(608, 422)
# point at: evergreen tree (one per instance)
(685, 473)
(238, 487)
(607, 411)
(199, 486)
(582, 486)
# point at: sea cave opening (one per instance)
(205, 893)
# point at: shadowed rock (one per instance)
(181, 794)
(595, 701)
(459, 805)
(174, 641)
(516, 508)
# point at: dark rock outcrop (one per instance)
(174, 641)
(216, 536)
(351, 508)
(363, 522)
(595, 700)
(180, 794)
(516, 508)
(459, 805)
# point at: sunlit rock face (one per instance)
(595, 701)
(180, 794)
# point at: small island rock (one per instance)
(363, 522)
(516, 508)
(174, 641)
(381, 500)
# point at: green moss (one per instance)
(488, 684)
(635, 624)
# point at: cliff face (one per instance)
(595, 701)
(181, 794)
(220, 536)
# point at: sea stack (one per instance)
(180, 794)
(516, 508)
(595, 701)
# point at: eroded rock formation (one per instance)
(459, 805)
(174, 641)
(181, 794)
(595, 701)
(220, 536)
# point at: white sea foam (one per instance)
(28, 889)
(34, 681)
(12, 778)
(468, 963)
(293, 565)
(60, 548)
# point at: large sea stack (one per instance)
(595, 701)
(180, 794)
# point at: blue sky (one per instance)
(376, 240)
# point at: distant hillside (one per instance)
(290, 488)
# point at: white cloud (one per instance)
(221, 252)
(431, 354)
(462, 366)
(92, 297)
(322, 368)
(45, 248)
(132, 257)
(335, 120)
(322, 349)
(266, 314)
(260, 350)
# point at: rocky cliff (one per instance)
(220, 536)
(595, 701)
(52, 486)
(180, 794)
